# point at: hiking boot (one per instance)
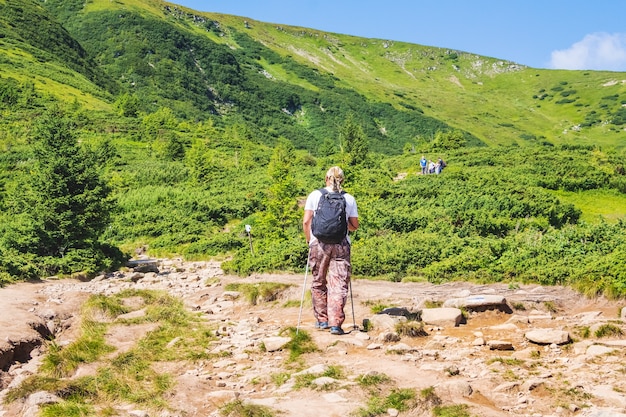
(337, 330)
(321, 325)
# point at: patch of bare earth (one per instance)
(530, 379)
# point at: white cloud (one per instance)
(597, 51)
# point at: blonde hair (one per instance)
(335, 174)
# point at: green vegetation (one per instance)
(376, 307)
(301, 343)
(238, 408)
(306, 380)
(411, 328)
(608, 330)
(506, 361)
(176, 129)
(456, 410)
(373, 379)
(127, 376)
(399, 399)
(259, 292)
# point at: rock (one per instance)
(449, 359)
(507, 387)
(388, 337)
(385, 322)
(36, 400)
(454, 389)
(313, 370)
(397, 311)
(479, 303)
(548, 336)
(499, 345)
(323, 380)
(609, 395)
(598, 350)
(479, 341)
(143, 265)
(443, 316)
(401, 348)
(272, 344)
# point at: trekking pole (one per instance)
(306, 272)
(354, 326)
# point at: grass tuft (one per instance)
(411, 329)
(261, 292)
(608, 330)
(238, 408)
(399, 399)
(301, 343)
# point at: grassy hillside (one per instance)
(498, 102)
(199, 123)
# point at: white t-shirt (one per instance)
(313, 200)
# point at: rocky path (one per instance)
(497, 349)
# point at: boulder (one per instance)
(548, 336)
(442, 316)
(479, 303)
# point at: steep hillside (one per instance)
(167, 57)
(299, 80)
(498, 101)
(35, 48)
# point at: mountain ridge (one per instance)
(497, 101)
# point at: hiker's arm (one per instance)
(353, 223)
(306, 224)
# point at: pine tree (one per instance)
(70, 203)
(354, 143)
(282, 207)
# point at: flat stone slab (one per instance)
(143, 265)
(479, 302)
(442, 316)
(548, 336)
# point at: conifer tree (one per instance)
(354, 142)
(69, 202)
(282, 207)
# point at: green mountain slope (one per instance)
(498, 101)
(148, 44)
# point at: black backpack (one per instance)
(330, 224)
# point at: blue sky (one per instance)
(555, 34)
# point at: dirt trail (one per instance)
(448, 358)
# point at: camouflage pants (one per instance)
(331, 270)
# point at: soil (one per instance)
(447, 358)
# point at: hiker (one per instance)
(439, 166)
(431, 167)
(329, 256)
(423, 163)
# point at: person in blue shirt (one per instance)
(423, 163)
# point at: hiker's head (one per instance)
(334, 178)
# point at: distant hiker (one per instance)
(423, 163)
(431, 167)
(329, 213)
(439, 166)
